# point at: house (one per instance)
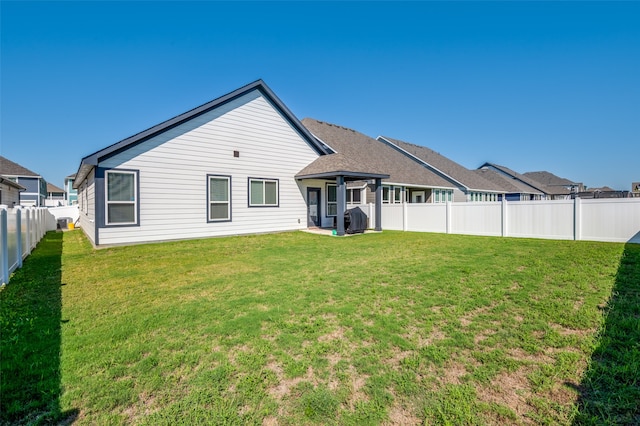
(407, 181)
(515, 190)
(240, 164)
(35, 186)
(565, 186)
(71, 192)
(538, 190)
(468, 186)
(10, 192)
(55, 196)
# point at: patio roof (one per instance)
(333, 165)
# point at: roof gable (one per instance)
(515, 175)
(444, 165)
(90, 161)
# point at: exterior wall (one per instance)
(35, 190)
(174, 165)
(325, 221)
(72, 194)
(9, 196)
(459, 196)
(86, 202)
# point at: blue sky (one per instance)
(529, 85)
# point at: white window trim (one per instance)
(210, 202)
(331, 202)
(350, 192)
(264, 204)
(107, 202)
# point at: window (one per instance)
(263, 192)
(122, 195)
(385, 194)
(332, 200)
(353, 195)
(218, 198)
(397, 194)
(442, 195)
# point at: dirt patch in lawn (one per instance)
(510, 389)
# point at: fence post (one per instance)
(20, 242)
(577, 225)
(448, 207)
(4, 246)
(405, 215)
(504, 216)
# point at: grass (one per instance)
(293, 328)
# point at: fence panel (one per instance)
(476, 218)
(12, 239)
(393, 217)
(426, 217)
(616, 219)
(20, 231)
(541, 219)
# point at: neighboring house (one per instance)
(236, 165)
(10, 192)
(71, 192)
(408, 180)
(604, 192)
(515, 190)
(545, 192)
(35, 186)
(469, 186)
(55, 196)
(562, 185)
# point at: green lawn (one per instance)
(294, 328)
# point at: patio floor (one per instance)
(329, 232)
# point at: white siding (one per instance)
(174, 166)
(86, 198)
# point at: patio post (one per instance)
(378, 204)
(342, 202)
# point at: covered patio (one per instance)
(340, 169)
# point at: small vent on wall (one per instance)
(236, 154)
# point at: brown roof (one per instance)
(52, 188)
(359, 150)
(9, 168)
(455, 171)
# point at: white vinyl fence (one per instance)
(613, 220)
(21, 229)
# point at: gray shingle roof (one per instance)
(375, 156)
(548, 178)
(528, 181)
(9, 168)
(459, 173)
(510, 185)
(338, 164)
